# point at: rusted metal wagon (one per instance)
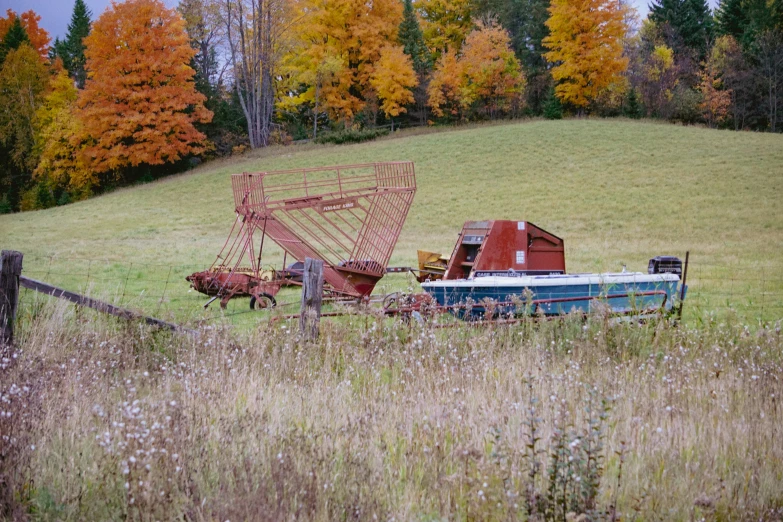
(348, 216)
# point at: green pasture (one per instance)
(618, 192)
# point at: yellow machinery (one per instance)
(432, 266)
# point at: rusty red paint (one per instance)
(501, 245)
(348, 216)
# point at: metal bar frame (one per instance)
(376, 199)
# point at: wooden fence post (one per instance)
(10, 270)
(312, 294)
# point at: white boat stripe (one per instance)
(553, 280)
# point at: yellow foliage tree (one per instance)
(393, 79)
(318, 75)
(445, 24)
(57, 138)
(586, 44)
(23, 83)
(338, 44)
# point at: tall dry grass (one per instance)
(563, 420)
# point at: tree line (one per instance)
(144, 90)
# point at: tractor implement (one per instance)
(350, 217)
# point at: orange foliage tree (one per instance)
(140, 102)
(586, 44)
(487, 76)
(444, 92)
(39, 38)
(492, 72)
(716, 101)
(393, 79)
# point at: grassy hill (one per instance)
(618, 192)
(109, 420)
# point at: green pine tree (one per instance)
(412, 39)
(690, 19)
(57, 49)
(730, 19)
(14, 38)
(5, 205)
(760, 16)
(71, 50)
(632, 108)
(553, 109)
(745, 20)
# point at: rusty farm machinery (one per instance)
(348, 216)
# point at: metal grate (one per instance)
(349, 216)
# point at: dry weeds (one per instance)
(103, 420)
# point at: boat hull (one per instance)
(625, 293)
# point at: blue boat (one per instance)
(514, 294)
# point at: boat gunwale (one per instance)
(619, 278)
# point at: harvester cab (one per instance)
(498, 247)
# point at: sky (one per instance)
(56, 14)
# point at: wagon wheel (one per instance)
(393, 302)
(262, 302)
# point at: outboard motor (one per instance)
(665, 265)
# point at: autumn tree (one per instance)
(525, 21)
(445, 24)
(23, 82)
(393, 78)
(139, 104)
(493, 75)
(57, 138)
(715, 99)
(657, 79)
(585, 43)
(486, 76)
(445, 91)
(71, 50)
(349, 36)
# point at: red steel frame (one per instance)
(349, 216)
